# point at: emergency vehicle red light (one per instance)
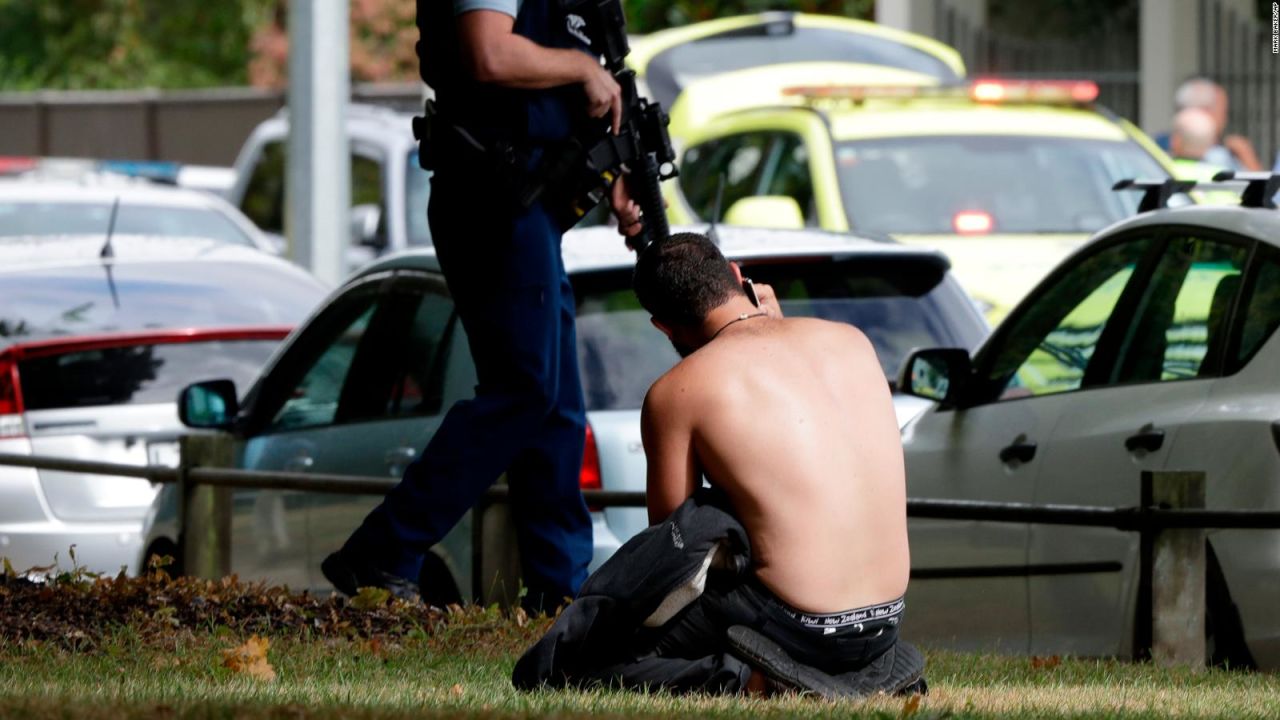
(972, 222)
(10, 165)
(1036, 91)
(987, 92)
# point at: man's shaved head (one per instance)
(1194, 132)
(681, 279)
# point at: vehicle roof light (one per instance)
(987, 90)
(972, 222)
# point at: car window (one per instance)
(1183, 318)
(27, 219)
(367, 187)
(1023, 184)
(900, 303)
(788, 175)
(1047, 347)
(398, 370)
(1261, 309)
(740, 159)
(773, 43)
(263, 200)
(417, 190)
(313, 400)
(136, 374)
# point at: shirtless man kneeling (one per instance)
(792, 422)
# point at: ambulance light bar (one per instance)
(987, 91)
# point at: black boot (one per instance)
(349, 575)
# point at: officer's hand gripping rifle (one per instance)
(642, 146)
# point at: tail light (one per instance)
(11, 422)
(589, 478)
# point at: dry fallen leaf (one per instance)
(370, 598)
(1051, 661)
(910, 707)
(456, 689)
(250, 658)
(522, 617)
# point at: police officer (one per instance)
(512, 79)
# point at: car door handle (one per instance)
(299, 463)
(1019, 451)
(1148, 439)
(400, 455)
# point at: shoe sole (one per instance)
(339, 575)
(764, 654)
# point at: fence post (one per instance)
(206, 511)
(1177, 573)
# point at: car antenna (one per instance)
(712, 235)
(108, 252)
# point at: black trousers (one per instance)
(690, 653)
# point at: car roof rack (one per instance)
(1156, 192)
(1260, 188)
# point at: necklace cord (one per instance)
(738, 319)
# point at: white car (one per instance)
(35, 208)
(360, 388)
(1152, 347)
(93, 352)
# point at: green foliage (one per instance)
(108, 44)
(74, 44)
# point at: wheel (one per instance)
(1223, 631)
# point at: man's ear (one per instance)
(737, 271)
(665, 330)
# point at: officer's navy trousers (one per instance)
(505, 272)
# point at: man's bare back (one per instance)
(793, 419)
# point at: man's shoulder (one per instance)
(828, 329)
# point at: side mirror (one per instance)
(364, 226)
(935, 374)
(209, 405)
(766, 211)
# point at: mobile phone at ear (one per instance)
(749, 288)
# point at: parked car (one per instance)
(1005, 177)
(1153, 347)
(389, 190)
(93, 203)
(362, 386)
(93, 352)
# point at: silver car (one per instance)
(93, 352)
(362, 386)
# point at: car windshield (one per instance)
(900, 303)
(28, 218)
(778, 42)
(93, 298)
(1003, 184)
(417, 189)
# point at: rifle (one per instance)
(596, 157)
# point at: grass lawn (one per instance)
(156, 648)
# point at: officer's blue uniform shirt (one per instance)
(506, 7)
